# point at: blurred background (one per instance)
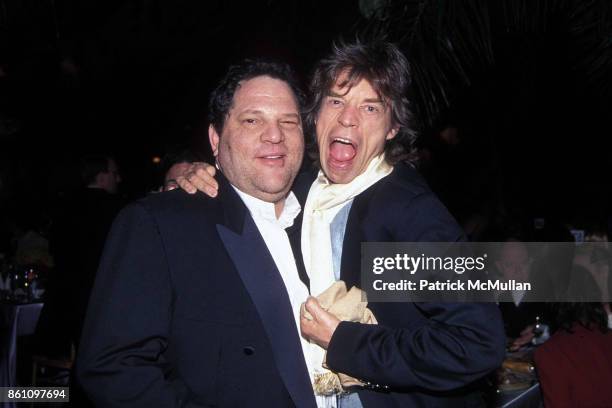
(513, 97)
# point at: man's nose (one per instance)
(273, 134)
(349, 117)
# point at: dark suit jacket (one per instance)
(517, 318)
(78, 236)
(188, 310)
(419, 355)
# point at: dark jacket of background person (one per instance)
(427, 354)
(575, 369)
(517, 318)
(189, 310)
(77, 241)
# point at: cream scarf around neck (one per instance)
(324, 201)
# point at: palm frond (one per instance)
(446, 42)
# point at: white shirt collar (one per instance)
(264, 210)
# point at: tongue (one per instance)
(342, 152)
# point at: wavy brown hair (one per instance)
(384, 66)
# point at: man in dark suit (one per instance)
(518, 312)
(420, 354)
(425, 354)
(190, 307)
(77, 241)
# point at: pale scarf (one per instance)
(324, 201)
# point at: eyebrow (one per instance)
(369, 100)
(260, 112)
(251, 111)
(335, 95)
(291, 115)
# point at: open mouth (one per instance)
(342, 150)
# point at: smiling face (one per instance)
(261, 146)
(352, 126)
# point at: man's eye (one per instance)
(335, 102)
(371, 109)
(289, 123)
(250, 121)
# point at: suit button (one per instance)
(248, 350)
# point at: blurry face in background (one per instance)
(261, 147)
(177, 169)
(514, 261)
(109, 180)
(594, 258)
(352, 125)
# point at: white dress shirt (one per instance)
(272, 230)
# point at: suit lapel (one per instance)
(301, 186)
(295, 239)
(266, 288)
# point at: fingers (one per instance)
(186, 185)
(199, 176)
(527, 330)
(308, 326)
(313, 307)
(303, 313)
(521, 341)
(210, 169)
(207, 173)
(202, 177)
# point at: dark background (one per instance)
(532, 115)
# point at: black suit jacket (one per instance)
(77, 240)
(517, 318)
(419, 355)
(189, 309)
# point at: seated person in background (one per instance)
(595, 259)
(575, 365)
(519, 315)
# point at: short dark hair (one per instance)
(175, 155)
(92, 165)
(383, 65)
(222, 97)
(178, 155)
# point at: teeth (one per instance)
(273, 157)
(339, 139)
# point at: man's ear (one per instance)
(213, 138)
(392, 133)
